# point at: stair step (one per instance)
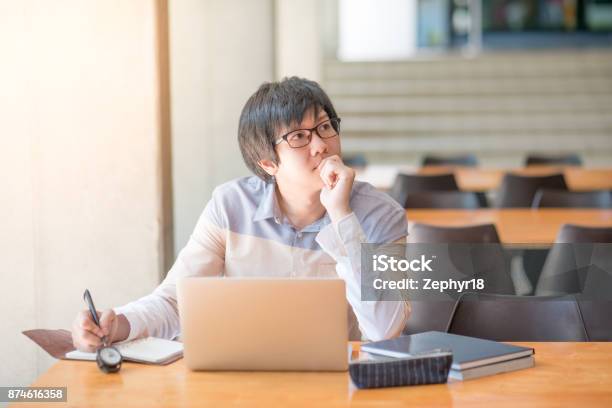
(498, 105)
(527, 86)
(484, 66)
(391, 105)
(500, 143)
(479, 122)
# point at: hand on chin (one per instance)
(337, 182)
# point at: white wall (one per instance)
(18, 364)
(80, 165)
(299, 34)
(377, 29)
(329, 28)
(220, 53)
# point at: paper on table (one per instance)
(58, 343)
(146, 350)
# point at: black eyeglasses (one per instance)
(302, 137)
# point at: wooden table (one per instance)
(485, 179)
(566, 374)
(515, 225)
(577, 178)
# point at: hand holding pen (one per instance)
(92, 329)
(94, 315)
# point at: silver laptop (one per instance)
(286, 324)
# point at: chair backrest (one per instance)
(405, 184)
(518, 191)
(474, 251)
(518, 318)
(487, 261)
(462, 160)
(580, 262)
(474, 234)
(573, 257)
(443, 199)
(574, 199)
(570, 233)
(355, 160)
(429, 315)
(596, 316)
(544, 160)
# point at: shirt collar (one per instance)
(318, 224)
(268, 208)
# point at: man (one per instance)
(301, 215)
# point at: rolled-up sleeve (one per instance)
(342, 240)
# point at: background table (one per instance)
(485, 179)
(515, 225)
(566, 374)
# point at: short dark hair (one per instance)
(274, 105)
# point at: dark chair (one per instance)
(534, 259)
(596, 316)
(577, 250)
(553, 160)
(355, 160)
(519, 191)
(475, 234)
(405, 184)
(580, 262)
(573, 199)
(566, 262)
(475, 253)
(443, 199)
(570, 233)
(518, 318)
(468, 160)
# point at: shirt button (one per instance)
(299, 235)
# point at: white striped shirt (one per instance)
(242, 232)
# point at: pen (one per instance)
(92, 310)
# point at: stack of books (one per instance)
(472, 357)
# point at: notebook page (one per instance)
(150, 349)
(80, 355)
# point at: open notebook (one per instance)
(149, 350)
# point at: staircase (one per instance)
(499, 106)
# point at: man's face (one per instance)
(298, 166)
